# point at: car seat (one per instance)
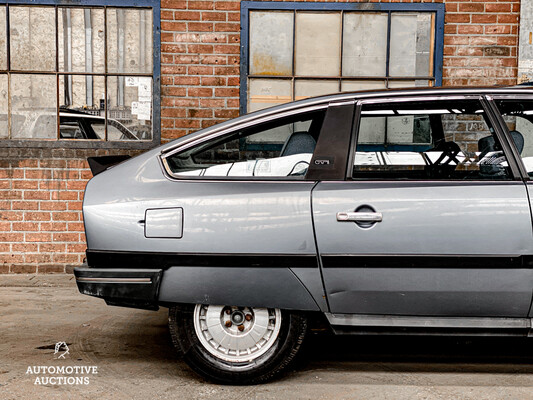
(298, 143)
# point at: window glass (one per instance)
(282, 148)
(518, 114)
(294, 54)
(59, 65)
(428, 140)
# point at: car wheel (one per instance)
(236, 345)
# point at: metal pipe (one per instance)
(121, 17)
(88, 57)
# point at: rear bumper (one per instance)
(137, 288)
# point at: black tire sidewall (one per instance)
(265, 367)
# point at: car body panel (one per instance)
(259, 231)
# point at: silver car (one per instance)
(374, 212)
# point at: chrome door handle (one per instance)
(359, 216)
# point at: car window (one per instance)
(282, 148)
(427, 141)
(70, 130)
(518, 115)
(115, 130)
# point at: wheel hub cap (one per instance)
(236, 334)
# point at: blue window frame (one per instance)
(388, 9)
(102, 111)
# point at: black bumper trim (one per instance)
(137, 288)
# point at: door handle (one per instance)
(359, 216)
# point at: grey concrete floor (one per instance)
(135, 359)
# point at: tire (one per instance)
(256, 364)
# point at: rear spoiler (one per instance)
(100, 164)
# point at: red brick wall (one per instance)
(41, 190)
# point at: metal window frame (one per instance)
(247, 6)
(155, 6)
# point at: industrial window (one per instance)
(296, 50)
(79, 76)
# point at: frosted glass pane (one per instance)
(309, 88)
(372, 130)
(33, 106)
(271, 37)
(351, 86)
(3, 40)
(263, 93)
(318, 44)
(410, 44)
(4, 100)
(33, 38)
(364, 44)
(77, 29)
(401, 84)
(129, 40)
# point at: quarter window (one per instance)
(280, 149)
(437, 140)
(518, 115)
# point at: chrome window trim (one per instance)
(256, 120)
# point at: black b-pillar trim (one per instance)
(330, 159)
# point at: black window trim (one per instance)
(484, 100)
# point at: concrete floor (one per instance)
(135, 359)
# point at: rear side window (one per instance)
(279, 149)
(448, 140)
(518, 115)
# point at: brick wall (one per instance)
(41, 190)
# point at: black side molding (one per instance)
(100, 164)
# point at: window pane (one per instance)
(129, 108)
(364, 44)
(3, 40)
(350, 86)
(281, 148)
(518, 115)
(129, 40)
(4, 100)
(411, 45)
(318, 44)
(81, 102)
(81, 39)
(33, 38)
(437, 140)
(309, 88)
(263, 93)
(271, 36)
(33, 106)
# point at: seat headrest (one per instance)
(299, 142)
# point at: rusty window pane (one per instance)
(271, 38)
(263, 93)
(364, 44)
(33, 106)
(317, 44)
(81, 40)
(33, 38)
(308, 88)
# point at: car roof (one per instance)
(350, 96)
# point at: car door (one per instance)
(433, 219)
